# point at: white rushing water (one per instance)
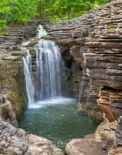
(41, 31)
(28, 78)
(49, 67)
(28, 74)
(49, 70)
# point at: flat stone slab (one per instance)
(85, 146)
(11, 58)
(18, 53)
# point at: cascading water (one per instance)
(49, 69)
(28, 77)
(44, 77)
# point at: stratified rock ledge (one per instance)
(85, 146)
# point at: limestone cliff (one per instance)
(11, 65)
(103, 60)
(71, 37)
(103, 66)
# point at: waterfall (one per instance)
(28, 76)
(41, 31)
(49, 69)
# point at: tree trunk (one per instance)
(100, 3)
(69, 14)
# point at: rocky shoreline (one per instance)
(91, 47)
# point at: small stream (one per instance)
(58, 121)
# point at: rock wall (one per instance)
(95, 43)
(11, 65)
(104, 47)
(103, 67)
(71, 37)
(18, 33)
(11, 68)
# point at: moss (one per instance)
(9, 96)
(5, 63)
(22, 104)
(4, 33)
(27, 132)
(21, 98)
(44, 37)
(101, 87)
(112, 29)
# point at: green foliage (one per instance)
(17, 11)
(112, 29)
(9, 96)
(60, 10)
(22, 101)
(22, 11)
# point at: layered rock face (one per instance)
(71, 37)
(11, 69)
(6, 111)
(103, 64)
(11, 65)
(16, 35)
(15, 141)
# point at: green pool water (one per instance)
(58, 122)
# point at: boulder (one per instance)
(85, 146)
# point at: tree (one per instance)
(22, 11)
